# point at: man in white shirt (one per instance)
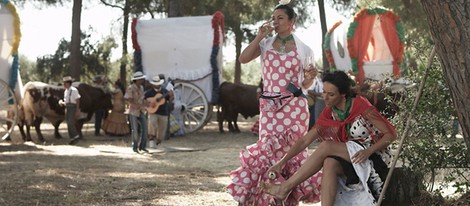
(71, 102)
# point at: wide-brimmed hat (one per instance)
(67, 79)
(156, 81)
(138, 75)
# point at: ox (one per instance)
(41, 100)
(236, 99)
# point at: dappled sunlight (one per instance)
(105, 171)
(225, 180)
(46, 186)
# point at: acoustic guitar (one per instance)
(155, 102)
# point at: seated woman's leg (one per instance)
(329, 182)
(311, 166)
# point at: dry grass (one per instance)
(105, 171)
(101, 171)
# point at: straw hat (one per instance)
(67, 79)
(138, 75)
(156, 81)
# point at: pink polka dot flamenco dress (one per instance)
(283, 120)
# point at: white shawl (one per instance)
(302, 50)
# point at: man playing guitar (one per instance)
(158, 103)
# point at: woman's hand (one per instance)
(310, 73)
(265, 29)
(361, 156)
(276, 169)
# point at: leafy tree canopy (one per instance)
(95, 60)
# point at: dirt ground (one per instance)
(187, 170)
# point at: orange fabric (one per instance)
(396, 47)
(357, 46)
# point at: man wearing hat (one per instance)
(158, 99)
(71, 102)
(137, 114)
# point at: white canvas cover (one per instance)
(180, 48)
(6, 43)
(339, 47)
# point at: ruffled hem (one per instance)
(116, 124)
(256, 159)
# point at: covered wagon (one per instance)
(189, 51)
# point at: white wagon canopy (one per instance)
(11, 87)
(187, 50)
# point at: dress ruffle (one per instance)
(116, 124)
(256, 159)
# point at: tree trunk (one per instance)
(324, 29)
(125, 29)
(449, 21)
(175, 8)
(405, 186)
(75, 53)
(238, 47)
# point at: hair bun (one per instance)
(284, 2)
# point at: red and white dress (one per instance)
(283, 120)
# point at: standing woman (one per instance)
(283, 113)
(116, 122)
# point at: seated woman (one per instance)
(353, 154)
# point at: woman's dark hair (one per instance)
(289, 11)
(341, 80)
(120, 85)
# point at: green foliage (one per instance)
(138, 7)
(429, 149)
(95, 60)
(27, 69)
(251, 72)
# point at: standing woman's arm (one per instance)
(253, 50)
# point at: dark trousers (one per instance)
(311, 121)
(70, 119)
(99, 114)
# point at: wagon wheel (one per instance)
(8, 110)
(195, 104)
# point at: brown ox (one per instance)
(41, 100)
(236, 99)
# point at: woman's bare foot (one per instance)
(276, 190)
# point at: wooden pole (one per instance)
(407, 126)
